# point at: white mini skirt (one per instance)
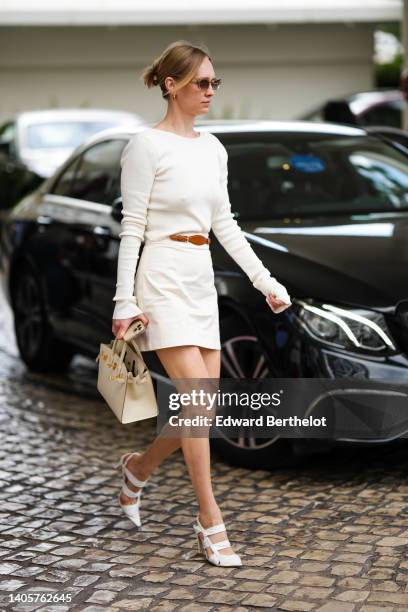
(174, 286)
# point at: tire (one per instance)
(39, 349)
(242, 356)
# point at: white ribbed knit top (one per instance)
(178, 184)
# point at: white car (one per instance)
(35, 143)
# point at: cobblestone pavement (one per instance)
(330, 537)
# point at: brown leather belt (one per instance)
(195, 239)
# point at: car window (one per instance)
(387, 114)
(63, 134)
(98, 168)
(281, 174)
(94, 175)
(63, 184)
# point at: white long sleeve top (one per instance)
(176, 184)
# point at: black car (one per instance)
(325, 207)
(397, 137)
(383, 107)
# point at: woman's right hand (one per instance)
(120, 326)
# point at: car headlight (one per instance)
(352, 329)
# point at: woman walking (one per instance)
(174, 191)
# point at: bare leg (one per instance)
(189, 362)
(143, 466)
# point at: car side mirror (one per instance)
(116, 211)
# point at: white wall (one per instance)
(272, 72)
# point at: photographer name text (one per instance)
(260, 421)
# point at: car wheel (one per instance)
(242, 356)
(38, 347)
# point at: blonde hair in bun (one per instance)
(179, 60)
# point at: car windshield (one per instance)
(286, 174)
(63, 134)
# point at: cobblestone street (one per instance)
(330, 537)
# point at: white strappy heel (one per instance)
(215, 557)
(131, 510)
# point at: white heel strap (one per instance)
(214, 529)
(128, 456)
(215, 545)
(220, 545)
(135, 481)
(128, 492)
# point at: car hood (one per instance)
(359, 259)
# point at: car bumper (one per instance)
(368, 398)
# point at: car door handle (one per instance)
(101, 230)
(44, 220)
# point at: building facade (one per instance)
(275, 65)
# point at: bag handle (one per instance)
(141, 365)
(134, 329)
(113, 355)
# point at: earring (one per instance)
(174, 96)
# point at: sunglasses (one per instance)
(204, 84)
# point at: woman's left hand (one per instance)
(277, 305)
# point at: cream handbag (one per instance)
(124, 380)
